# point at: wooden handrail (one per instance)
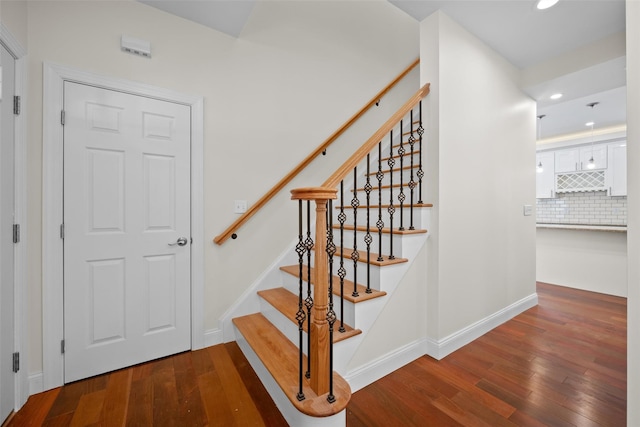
(366, 148)
(221, 238)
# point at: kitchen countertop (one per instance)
(587, 227)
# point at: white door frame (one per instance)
(52, 207)
(21, 329)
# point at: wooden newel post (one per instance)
(319, 334)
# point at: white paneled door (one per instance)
(7, 200)
(126, 229)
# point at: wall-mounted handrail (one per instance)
(221, 238)
(366, 148)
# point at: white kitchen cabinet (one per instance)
(577, 159)
(599, 153)
(567, 160)
(617, 173)
(545, 175)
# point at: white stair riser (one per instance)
(291, 284)
(386, 246)
(290, 330)
(419, 220)
(357, 272)
(386, 194)
(360, 273)
(386, 179)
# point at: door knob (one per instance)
(180, 242)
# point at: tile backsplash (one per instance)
(593, 208)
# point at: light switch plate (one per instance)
(528, 210)
(239, 206)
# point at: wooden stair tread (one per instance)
(348, 285)
(394, 169)
(375, 187)
(287, 303)
(362, 257)
(397, 156)
(406, 205)
(280, 357)
(384, 230)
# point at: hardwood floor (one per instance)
(215, 386)
(562, 363)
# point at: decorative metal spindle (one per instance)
(308, 302)
(367, 238)
(331, 315)
(354, 254)
(412, 183)
(380, 223)
(401, 196)
(391, 209)
(420, 171)
(342, 272)
(300, 315)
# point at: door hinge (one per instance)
(16, 233)
(62, 231)
(16, 362)
(62, 117)
(16, 105)
(62, 346)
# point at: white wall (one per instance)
(296, 73)
(583, 259)
(13, 15)
(633, 188)
(481, 139)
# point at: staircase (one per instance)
(370, 223)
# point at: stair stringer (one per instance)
(249, 301)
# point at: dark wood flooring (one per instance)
(562, 363)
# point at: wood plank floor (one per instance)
(562, 363)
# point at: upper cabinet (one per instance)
(545, 175)
(617, 175)
(578, 159)
(568, 170)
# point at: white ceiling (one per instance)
(518, 31)
(228, 16)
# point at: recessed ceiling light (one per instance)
(589, 124)
(556, 96)
(545, 4)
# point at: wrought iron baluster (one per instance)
(420, 172)
(354, 254)
(401, 196)
(367, 238)
(342, 272)
(308, 302)
(331, 315)
(300, 315)
(391, 209)
(412, 183)
(380, 223)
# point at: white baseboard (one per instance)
(441, 348)
(36, 383)
(373, 371)
(212, 337)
